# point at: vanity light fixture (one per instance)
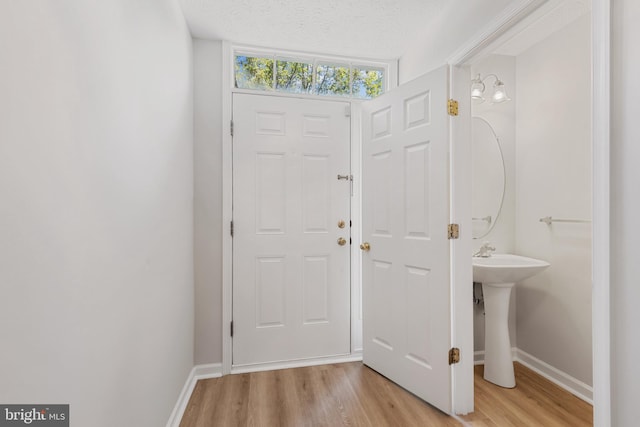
(499, 92)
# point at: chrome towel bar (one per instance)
(485, 218)
(548, 220)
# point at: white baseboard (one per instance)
(556, 376)
(354, 357)
(211, 370)
(198, 372)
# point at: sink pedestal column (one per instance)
(498, 363)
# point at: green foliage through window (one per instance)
(295, 76)
(253, 73)
(367, 83)
(333, 80)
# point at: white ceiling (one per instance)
(550, 18)
(379, 29)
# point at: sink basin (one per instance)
(505, 268)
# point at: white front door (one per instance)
(406, 280)
(291, 217)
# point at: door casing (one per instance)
(600, 122)
(227, 216)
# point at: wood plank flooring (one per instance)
(535, 401)
(350, 394)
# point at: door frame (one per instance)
(227, 216)
(600, 116)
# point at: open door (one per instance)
(406, 260)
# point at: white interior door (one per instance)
(406, 278)
(291, 276)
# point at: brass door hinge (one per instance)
(454, 356)
(231, 327)
(453, 231)
(452, 107)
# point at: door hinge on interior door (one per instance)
(454, 356)
(231, 228)
(231, 128)
(231, 328)
(452, 107)
(453, 231)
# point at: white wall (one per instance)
(207, 57)
(438, 41)
(502, 118)
(553, 177)
(96, 215)
(625, 213)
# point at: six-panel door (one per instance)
(291, 277)
(405, 273)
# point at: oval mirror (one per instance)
(488, 174)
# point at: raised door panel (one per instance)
(270, 193)
(270, 292)
(416, 189)
(315, 280)
(316, 193)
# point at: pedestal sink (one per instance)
(498, 274)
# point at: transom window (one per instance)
(308, 76)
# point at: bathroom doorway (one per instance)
(544, 134)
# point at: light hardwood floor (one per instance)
(350, 394)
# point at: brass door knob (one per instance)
(341, 224)
(342, 241)
(365, 246)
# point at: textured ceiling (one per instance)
(364, 28)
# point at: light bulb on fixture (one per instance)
(499, 93)
(478, 87)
